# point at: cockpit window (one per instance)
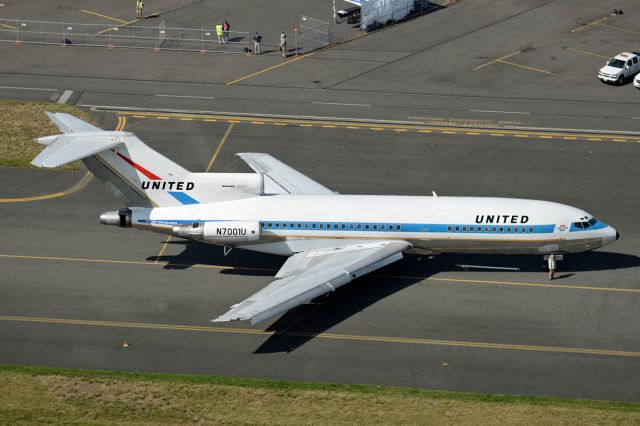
(585, 225)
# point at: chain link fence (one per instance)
(160, 36)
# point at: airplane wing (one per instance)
(310, 274)
(282, 179)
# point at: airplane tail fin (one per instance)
(135, 172)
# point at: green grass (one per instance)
(21, 123)
(54, 395)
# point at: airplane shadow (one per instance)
(301, 324)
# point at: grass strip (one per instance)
(22, 122)
(56, 395)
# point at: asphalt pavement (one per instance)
(399, 111)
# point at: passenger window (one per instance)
(278, 225)
(292, 226)
(629, 62)
(261, 224)
(531, 229)
(335, 226)
(375, 227)
(366, 227)
(383, 227)
(359, 226)
(306, 226)
(284, 226)
(328, 226)
(397, 227)
(508, 229)
(472, 228)
(271, 225)
(524, 230)
(322, 226)
(501, 229)
(351, 226)
(464, 229)
(486, 229)
(344, 226)
(516, 229)
(635, 60)
(449, 228)
(494, 229)
(313, 226)
(299, 226)
(457, 229)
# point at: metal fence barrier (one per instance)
(313, 34)
(160, 36)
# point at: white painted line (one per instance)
(184, 96)
(501, 112)
(635, 118)
(28, 88)
(65, 96)
(338, 103)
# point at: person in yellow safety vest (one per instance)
(139, 7)
(220, 33)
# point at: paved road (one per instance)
(73, 289)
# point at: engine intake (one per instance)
(220, 232)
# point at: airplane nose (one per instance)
(610, 235)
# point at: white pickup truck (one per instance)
(619, 68)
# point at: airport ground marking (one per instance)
(496, 60)
(162, 249)
(297, 58)
(419, 128)
(587, 53)
(582, 27)
(7, 26)
(122, 120)
(372, 275)
(328, 336)
(618, 28)
(527, 67)
(110, 18)
(124, 24)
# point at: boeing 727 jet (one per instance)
(329, 238)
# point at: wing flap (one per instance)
(282, 179)
(310, 274)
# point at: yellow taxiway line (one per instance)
(588, 53)
(496, 60)
(122, 120)
(582, 27)
(111, 18)
(418, 128)
(329, 336)
(290, 61)
(7, 26)
(403, 277)
(125, 23)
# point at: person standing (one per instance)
(226, 27)
(257, 39)
(552, 265)
(283, 44)
(220, 33)
(139, 7)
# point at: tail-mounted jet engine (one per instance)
(120, 218)
(220, 232)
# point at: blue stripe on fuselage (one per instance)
(183, 198)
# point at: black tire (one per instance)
(620, 80)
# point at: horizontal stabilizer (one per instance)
(71, 147)
(67, 123)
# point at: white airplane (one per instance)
(330, 238)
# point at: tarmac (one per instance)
(432, 104)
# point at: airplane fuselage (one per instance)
(290, 223)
